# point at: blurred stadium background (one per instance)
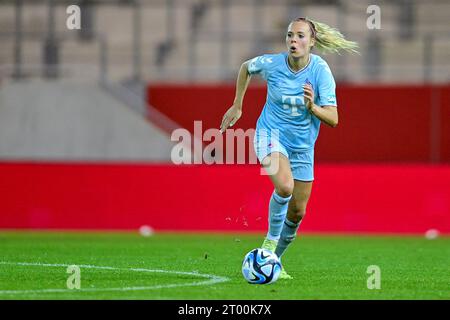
(86, 115)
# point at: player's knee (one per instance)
(297, 213)
(300, 214)
(285, 188)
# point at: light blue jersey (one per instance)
(285, 109)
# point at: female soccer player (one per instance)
(300, 95)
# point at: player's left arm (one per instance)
(326, 114)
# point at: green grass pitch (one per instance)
(208, 266)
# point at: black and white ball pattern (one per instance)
(261, 266)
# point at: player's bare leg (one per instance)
(300, 197)
(279, 171)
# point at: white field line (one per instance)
(211, 279)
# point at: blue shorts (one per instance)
(302, 163)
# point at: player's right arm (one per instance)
(235, 111)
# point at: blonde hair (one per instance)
(329, 39)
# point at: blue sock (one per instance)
(277, 213)
(288, 234)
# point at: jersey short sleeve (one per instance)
(260, 65)
(326, 86)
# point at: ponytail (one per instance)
(328, 39)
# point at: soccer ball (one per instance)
(261, 266)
